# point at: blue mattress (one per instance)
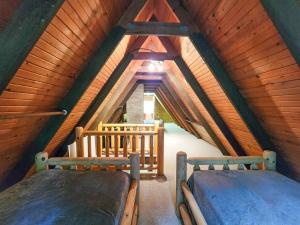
(246, 197)
(66, 198)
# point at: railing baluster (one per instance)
(112, 139)
(125, 146)
(99, 146)
(89, 137)
(160, 151)
(151, 159)
(107, 145)
(133, 143)
(116, 147)
(143, 151)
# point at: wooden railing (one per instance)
(118, 140)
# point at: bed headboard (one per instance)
(266, 162)
(42, 162)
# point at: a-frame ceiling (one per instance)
(233, 71)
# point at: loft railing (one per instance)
(119, 140)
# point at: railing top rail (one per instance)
(87, 161)
(127, 125)
(87, 133)
(225, 160)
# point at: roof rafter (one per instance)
(286, 16)
(31, 19)
(83, 81)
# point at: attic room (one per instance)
(149, 112)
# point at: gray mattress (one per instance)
(246, 197)
(66, 197)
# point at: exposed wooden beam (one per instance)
(171, 104)
(198, 114)
(190, 78)
(157, 28)
(21, 33)
(118, 99)
(132, 12)
(98, 99)
(170, 48)
(122, 99)
(181, 13)
(85, 78)
(230, 89)
(180, 106)
(167, 107)
(154, 56)
(286, 17)
(114, 77)
(148, 77)
(164, 107)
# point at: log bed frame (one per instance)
(265, 162)
(130, 215)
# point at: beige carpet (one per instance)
(157, 198)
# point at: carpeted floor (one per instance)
(157, 197)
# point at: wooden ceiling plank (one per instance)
(190, 78)
(204, 123)
(30, 19)
(85, 78)
(285, 15)
(231, 90)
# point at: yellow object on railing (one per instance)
(118, 140)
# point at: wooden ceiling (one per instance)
(63, 71)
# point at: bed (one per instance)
(252, 193)
(72, 193)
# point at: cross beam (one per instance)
(157, 28)
(155, 56)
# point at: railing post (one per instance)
(181, 175)
(41, 161)
(135, 170)
(160, 154)
(156, 140)
(269, 160)
(79, 142)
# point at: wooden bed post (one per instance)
(41, 161)
(135, 170)
(160, 152)
(181, 175)
(269, 160)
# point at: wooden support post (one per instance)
(181, 176)
(21, 33)
(135, 171)
(160, 154)
(269, 160)
(41, 161)
(79, 142)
